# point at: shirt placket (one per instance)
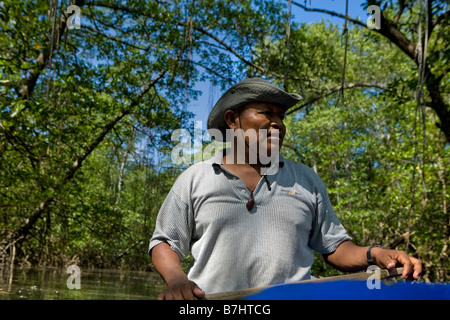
(241, 189)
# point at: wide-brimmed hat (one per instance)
(248, 90)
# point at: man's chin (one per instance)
(272, 149)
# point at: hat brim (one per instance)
(242, 93)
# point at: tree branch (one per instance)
(210, 70)
(439, 19)
(331, 13)
(115, 39)
(337, 89)
(400, 11)
(230, 49)
(388, 29)
(43, 59)
(113, 6)
(25, 228)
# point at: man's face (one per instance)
(266, 120)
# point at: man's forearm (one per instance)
(168, 264)
(348, 257)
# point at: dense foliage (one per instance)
(86, 117)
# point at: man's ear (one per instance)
(231, 117)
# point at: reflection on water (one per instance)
(96, 284)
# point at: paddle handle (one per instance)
(239, 294)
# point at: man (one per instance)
(250, 222)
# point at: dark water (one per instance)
(95, 284)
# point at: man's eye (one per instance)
(271, 113)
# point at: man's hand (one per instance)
(168, 264)
(350, 257)
(384, 258)
(182, 290)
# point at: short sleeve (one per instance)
(327, 231)
(173, 225)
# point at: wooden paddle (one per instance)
(239, 294)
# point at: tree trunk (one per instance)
(121, 170)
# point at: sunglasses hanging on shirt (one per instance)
(251, 202)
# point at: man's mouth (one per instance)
(274, 136)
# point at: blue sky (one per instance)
(210, 95)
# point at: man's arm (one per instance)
(168, 264)
(350, 257)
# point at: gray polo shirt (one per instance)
(232, 248)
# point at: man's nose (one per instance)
(277, 123)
